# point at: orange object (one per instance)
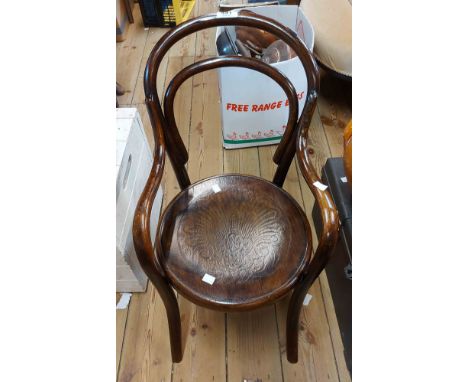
(348, 151)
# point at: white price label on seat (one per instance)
(344, 179)
(307, 299)
(320, 186)
(208, 279)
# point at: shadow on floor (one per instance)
(334, 89)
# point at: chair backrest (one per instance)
(163, 123)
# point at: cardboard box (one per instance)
(254, 110)
(134, 161)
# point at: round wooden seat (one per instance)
(246, 232)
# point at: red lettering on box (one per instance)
(237, 107)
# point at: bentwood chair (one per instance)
(245, 231)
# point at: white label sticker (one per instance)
(124, 300)
(320, 186)
(216, 188)
(344, 179)
(307, 299)
(208, 279)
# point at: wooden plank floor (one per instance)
(226, 347)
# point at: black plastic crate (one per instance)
(157, 13)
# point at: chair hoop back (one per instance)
(177, 151)
(227, 61)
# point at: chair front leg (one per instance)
(173, 316)
(151, 267)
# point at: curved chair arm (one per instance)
(142, 238)
(327, 239)
(324, 200)
(141, 219)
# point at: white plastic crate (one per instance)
(134, 161)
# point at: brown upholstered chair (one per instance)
(247, 232)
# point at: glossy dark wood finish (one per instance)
(348, 152)
(144, 246)
(250, 234)
(178, 153)
(129, 10)
(225, 61)
(327, 239)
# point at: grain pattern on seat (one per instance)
(248, 233)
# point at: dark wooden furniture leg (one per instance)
(128, 8)
(173, 319)
(119, 91)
